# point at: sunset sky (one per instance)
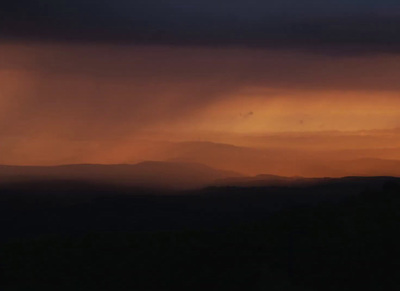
(306, 83)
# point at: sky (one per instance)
(368, 25)
(123, 81)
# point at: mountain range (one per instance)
(151, 174)
(180, 175)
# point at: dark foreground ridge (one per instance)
(331, 234)
(149, 174)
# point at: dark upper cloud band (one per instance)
(339, 26)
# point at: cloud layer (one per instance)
(79, 103)
(328, 26)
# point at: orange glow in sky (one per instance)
(115, 104)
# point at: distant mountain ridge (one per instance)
(153, 174)
(296, 181)
(283, 161)
(177, 175)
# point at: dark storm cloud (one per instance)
(347, 25)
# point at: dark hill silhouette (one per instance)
(265, 180)
(150, 174)
(296, 181)
(81, 206)
(332, 234)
